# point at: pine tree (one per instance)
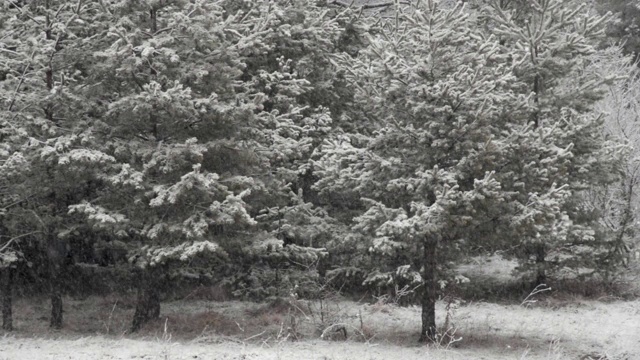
(469, 135)
(430, 89)
(553, 45)
(624, 27)
(45, 117)
(616, 203)
(208, 118)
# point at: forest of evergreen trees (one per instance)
(272, 147)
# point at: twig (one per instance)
(254, 336)
(24, 73)
(6, 245)
(538, 289)
(23, 12)
(334, 328)
(10, 51)
(367, 6)
(107, 325)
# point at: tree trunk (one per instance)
(148, 300)
(541, 277)
(7, 298)
(429, 294)
(56, 310)
(56, 296)
(56, 255)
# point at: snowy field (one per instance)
(238, 330)
(551, 327)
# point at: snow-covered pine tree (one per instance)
(45, 49)
(617, 203)
(624, 27)
(208, 116)
(553, 44)
(434, 96)
(455, 148)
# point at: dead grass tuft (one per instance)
(594, 288)
(123, 301)
(189, 326)
(277, 306)
(382, 307)
(209, 293)
(267, 319)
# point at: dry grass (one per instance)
(485, 330)
(549, 325)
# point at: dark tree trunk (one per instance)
(7, 298)
(56, 296)
(148, 299)
(541, 277)
(429, 294)
(56, 256)
(56, 311)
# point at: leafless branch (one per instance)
(8, 243)
(23, 12)
(24, 73)
(367, 6)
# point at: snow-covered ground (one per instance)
(95, 348)
(561, 327)
(572, 330)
